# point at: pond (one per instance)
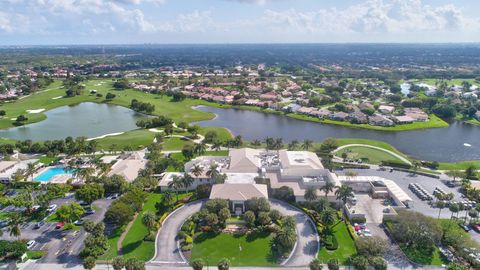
(85, 119)
(440, 144)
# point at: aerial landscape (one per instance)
(239, 134)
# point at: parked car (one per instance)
(30, 244)
(476, 227)
(60, 225)
(83, 203)
(89, 211)
(52, 208)
(39, 224)
(3, 223)
(79, 222)
(465, 227)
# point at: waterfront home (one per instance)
(292, 107)
(358, 117)
(416, 113)
(403, 119)
(380, 120)
(306, 110)
(339, 116)
(386, 109)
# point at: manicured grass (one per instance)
(112, 243)
(35, 254)
(246, 250)
(346, 245)
(424, 256)
(373, 156)
(433, 122)
(175, 143)
(47, 160)
(384, 145)
(462, 165)
(133, 244)
(136, 139)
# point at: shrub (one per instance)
(315, 265)
(188, 239)
(394, 163)
(203, 191)
(333, 264)
(223, 264)
(358, 220)
(151, 236)
(197, 264)
(181, 235)
(359, 262)
(187, 247)
(378, 263)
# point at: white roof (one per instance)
(241, 178)
(392, 187)
(238, 192)
(299, 159)
(129, 167)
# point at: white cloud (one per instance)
(5, 23)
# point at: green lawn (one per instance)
(35, 254)
(346, 245)
(251, 250)
(374, 156)
(133, 244)
(136, 139)
(384, 145)
(175, 143)
(424, 256)
(462, 165)
(112, 244)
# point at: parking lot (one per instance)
(61, 246)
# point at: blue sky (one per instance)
(38, 22)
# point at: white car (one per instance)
(30, 244)
(52, 208)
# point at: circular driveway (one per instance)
(167, 251)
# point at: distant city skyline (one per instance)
(52, 22)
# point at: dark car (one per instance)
(465, 227)
(39, 224)
(89, 211)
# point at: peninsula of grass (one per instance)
(369, 155)
(134, 245)
(247, 250)
(346, 246)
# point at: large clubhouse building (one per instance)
(245, 168)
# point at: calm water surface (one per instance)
(440, 144)
(85, 119)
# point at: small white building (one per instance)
(237, 194)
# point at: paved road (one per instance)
(307, 240)
(167, 251)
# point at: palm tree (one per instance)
(416, 166)
(14, 226)
(269, 142)
(321, 205)
(149, 220)
(307, 144)
(454, 208)
(85, 173)
(217, 145)
(327, 188)
(310, 194)
(212, 171)
(440, 205)
(30, 170)
(256, 143)
(199, 148)
(168, 199)
(176, 184)
(328, 217)
(293, 145)
(187, 181)
(343, 193)
(196, 170)
(278, 144)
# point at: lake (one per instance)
(85, 119)
(439, 144)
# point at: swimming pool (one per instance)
(48, 174)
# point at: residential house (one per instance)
(380, 120)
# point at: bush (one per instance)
(151, 236)
(197, 264)
(163, 217)
(378, 263)
(330, 242)
(394, 163)
(333, 264)
(359, 262)
(315, 265)
(223, 264)
(358, 220)
(181, 235)
(187, 247)
(203, 191)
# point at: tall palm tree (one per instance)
(149, 220)
(269, 142)
(321, 205)
(14, 226)
(212, 171)
(307, 144)
(168, 199)
(196, 170)
(343, 193)
(199, 148)
(217, 145)
(187, 181)
(328, 217)
(256, 143)
(176, 184)
(440, 205)
(30, 170)
(327, 188)
(293, 145)
(310, 194)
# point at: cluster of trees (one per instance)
(198, 264)
(90, 192)
(123, 209)
(68, 146)
(285, 238)
(258, 213)
(213, 216)
(160, 121)
(12, 249)
(370, 252)
(121, 84)
(96, 243)
(119, 263)
(20, 120)
(73, 86)
(143, 107)
(70, 212)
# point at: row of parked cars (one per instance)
(362, 230)
(421, 193)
